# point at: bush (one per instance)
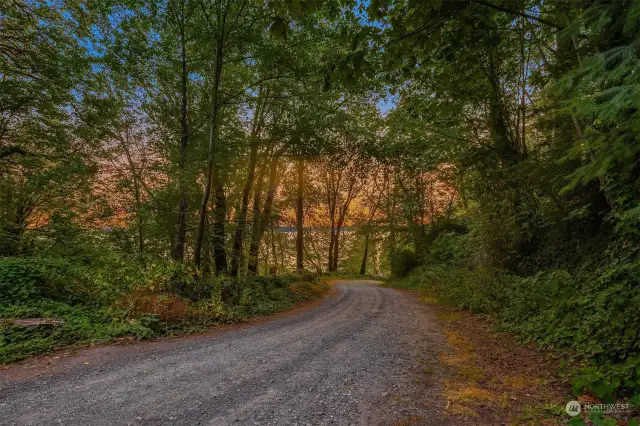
(264, 295)
(480, 290)
(32, 278)
(213, 311)
(308, 290)
(80, 324)
(165, 307)
(112, 297)
(450, 248)
(23, 279)
(20, 281)
(403, 262)
(304, 276)
(592, 311)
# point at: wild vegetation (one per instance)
(171, 163)
(530, 111)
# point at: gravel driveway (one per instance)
(366, 356)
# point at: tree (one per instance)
(51, 117)
(181, 17)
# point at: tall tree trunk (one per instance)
(254, 245)
(300, 216)
(363, 265)
(332, 237)
(367, 228)
(419, 239)
(265, 217)
(343, 214)
(332, 183)
(391, 209)
(316, 258)
(497, 118)
(206, 254)
(213, 131)
(177, 253)
(220, 217)
(336, 243)
(331, 243)
(266, 259)
(275, 252)
(524, 72)
(137, 182)
(281, 249)
(136, 188)
(241, 220)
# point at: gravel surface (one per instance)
(366, 356)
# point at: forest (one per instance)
(166, 165)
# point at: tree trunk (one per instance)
(220, 216)
(213, 130)
(300, 216)
(332, 238)
(336, 243)
(177, 253)
(137, 182)
(316, 258)
(265, 217)
(419, 240)
(136, 187)
(363, 265)
(281, 249)
(254, 246)
(241, 221)
(523, 104)
(391, 210)
(275, 252)
(343, 213)
(497, 118)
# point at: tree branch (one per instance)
(518, 13)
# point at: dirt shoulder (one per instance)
(494, 380)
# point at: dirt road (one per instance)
(366, 356)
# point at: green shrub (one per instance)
(480, 290)
(267, 294)
(308, 290)
(450, 247)
(403, 262)
(80, 324)
(98, 300)
(304, 275)
(32, 278)
(20, 281)
(592, 312)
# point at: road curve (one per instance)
(366, 356)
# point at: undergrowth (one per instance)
(590, 312)
(98, 302)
